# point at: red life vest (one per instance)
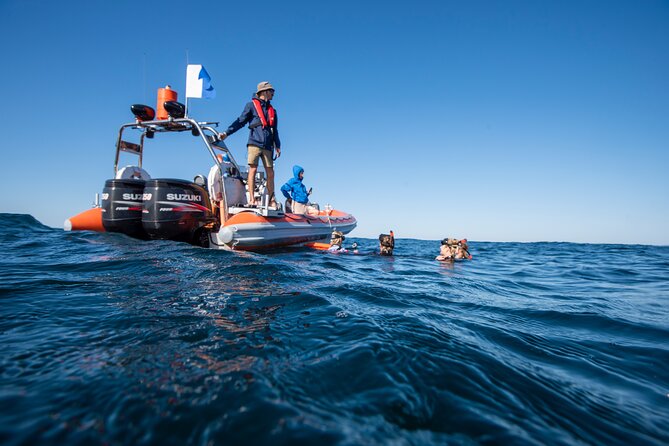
(268, 121)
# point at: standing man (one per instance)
(263, 137)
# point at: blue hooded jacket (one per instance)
(259, 136)
(294, 189)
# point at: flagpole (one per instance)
(186, 89)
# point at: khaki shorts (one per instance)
(256, 152)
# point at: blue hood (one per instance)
(294, 189)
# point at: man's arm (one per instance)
(275, 134)
(240, 122)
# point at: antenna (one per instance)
(144, 78)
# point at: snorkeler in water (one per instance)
(446, 250)
(386, 244)
(336, 240)
(453, 249)
(462, 251)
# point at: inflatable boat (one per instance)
(214, 212)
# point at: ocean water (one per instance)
(109, 340)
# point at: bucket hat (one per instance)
(262, 86)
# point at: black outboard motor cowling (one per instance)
(122, 207)
(176, 210)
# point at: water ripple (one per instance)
(112, 340)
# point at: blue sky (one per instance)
(501, 121)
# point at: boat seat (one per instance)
(132, 172)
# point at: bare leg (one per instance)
(251, 182)
(270, 184)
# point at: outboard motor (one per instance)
(122, 207)
(177, 210)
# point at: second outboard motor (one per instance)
(177, 210)
(122, 207)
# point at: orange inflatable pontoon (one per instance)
(90, 220)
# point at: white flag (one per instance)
(198, 83)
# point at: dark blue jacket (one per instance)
(260, 136)
(294, 189)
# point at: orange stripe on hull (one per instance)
(90, 220)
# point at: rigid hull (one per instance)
(249, 231)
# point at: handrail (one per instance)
(172, 125)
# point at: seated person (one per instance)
(386, 244)
(214, 183)
(297, 197)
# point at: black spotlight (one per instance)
(150, 133)
(143, 112)
(175, 109)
